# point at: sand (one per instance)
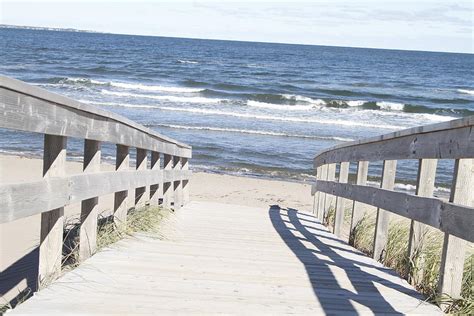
(20, 238)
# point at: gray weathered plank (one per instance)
(451, 218)
(155, 188)
(424, 187)
(454, 248)
(121, 199)
(357, 207)
(231, 259)
(26, 113)
(167, 186)
(382, 220)
(340, 203)
(26, 199)
(329, 199)
(89, 207)
(177, 185)
(20, 97)
(141, 164)
(448, 140)
(52, 218)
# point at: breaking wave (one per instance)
(245, 131)
(171, 98)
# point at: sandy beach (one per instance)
(18, 239)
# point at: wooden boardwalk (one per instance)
(220, 258)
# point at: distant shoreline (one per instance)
(45, 28)
(59, 29)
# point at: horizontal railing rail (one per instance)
(27, 108)
(427, 144)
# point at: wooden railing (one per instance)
(427, 144)
(28, 108)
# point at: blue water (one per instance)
(246, 108)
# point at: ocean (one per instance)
(255, 109)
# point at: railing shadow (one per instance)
(330, 295)
(21, 275)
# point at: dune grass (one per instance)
(146, 219)
(396, 257)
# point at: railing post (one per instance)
(454, 248)
(168, 165)
(329, 200)
(177, 185)
(154, 188)
(141, 164)
(357, 207)
(322, 195)
(52, 222)
(382, 221)
(316, 193)
(122, 162)
(89, 207)
(425, 184)
(185, 166)
(340, 202)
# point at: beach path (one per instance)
(221, 258)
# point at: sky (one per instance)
(427, 25)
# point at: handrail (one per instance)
(24, 107)
(447, 140)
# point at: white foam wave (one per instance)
(183, 61)
(274, 106)
(256, 132)
(137, 86)
(133, 86)
(125, 105)
(355, 103)
(390, 106)
(348, 123)
(171, 98)
(466, 91)
(293, 97)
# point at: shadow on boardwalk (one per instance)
(310, 244)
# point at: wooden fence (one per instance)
(427, 144)
(28, 108)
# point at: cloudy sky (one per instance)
(416, 25)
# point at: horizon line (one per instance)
(72, 29)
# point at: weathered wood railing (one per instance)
(450, 140)
(27, 108)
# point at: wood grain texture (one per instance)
(230, 259)
(454, 248)
(329, 199)
(358, 209)
(341, 202)
(141, 196)
(322, 196)
(177, 185)
(52, 218)
(121, 199)
(448, 140)
(425, 185)
(29, 108)
(89, 207)
(382, 220)
(185, 183)
(22, 200)
(167, 185)
(155, 188)
(451, 218)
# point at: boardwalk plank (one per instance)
(219, 258)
